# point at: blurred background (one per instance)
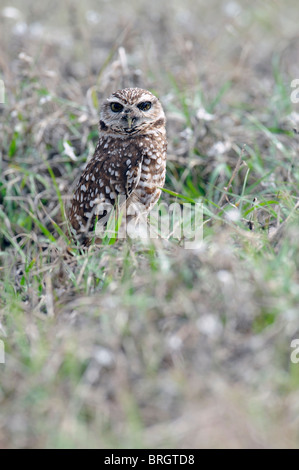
(194, 45)
(164, 347)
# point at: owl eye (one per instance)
(145, 105)
(116, 107)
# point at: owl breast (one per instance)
(152, 172)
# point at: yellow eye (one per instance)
(145, 105)
(116, 107)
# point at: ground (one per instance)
(151, 345)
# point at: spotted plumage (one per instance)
(129, 163)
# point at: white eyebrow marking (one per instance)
(146, 97)
(114, 100)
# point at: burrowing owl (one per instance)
(129, 162)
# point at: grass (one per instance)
(133, 345)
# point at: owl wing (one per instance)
(133, 178)
(105, 181)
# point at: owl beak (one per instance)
(130, 122)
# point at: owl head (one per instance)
(131, 111)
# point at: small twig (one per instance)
(49, 296)
(82, 270)
(237, 168)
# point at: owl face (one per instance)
(131, 111)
